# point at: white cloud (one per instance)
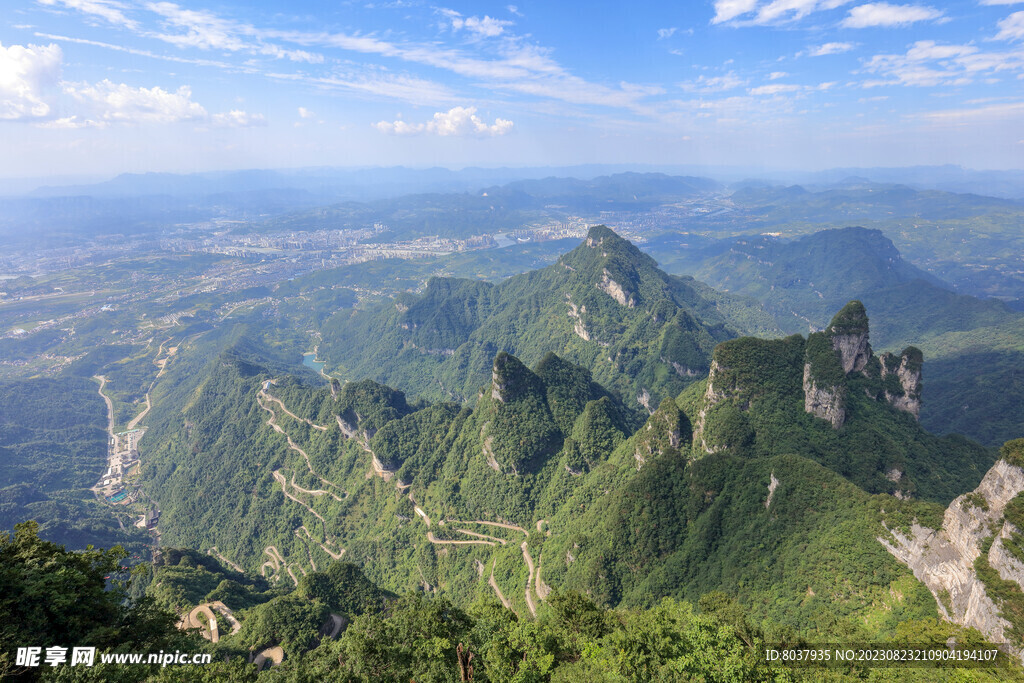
(110, 10)
(107, 103)
(404, 88)
(776, 75)
(1012, 27)
(305, 113)
(791, 10)
(830, 49)
(30, 83)
(121, 103)
(28, 74)
(519, 66)
(488, 27)
(1001, 2)
(730, 9)
(884, 14)
(704, 84)
(666, 32)
(512, 9)
(207, 31)
(141, 53)
(237, 118)
(925, 50)
(70, 123)
(994, 113)
(773, 12)
(458, 121)
(929, 64)
(204, 29)
(774, 89)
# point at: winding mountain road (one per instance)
(294, 446)
(216, 553)
(284, 489)
(529, 579)
(438, 541)
(289, 413)
(494, 584)
(138, 418)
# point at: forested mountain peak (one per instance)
(606, 306)
(806, 279)
(526, 415)
(618, 268)
(511, 380)
(828, 397)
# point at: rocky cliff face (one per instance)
(615, 290)
(713, 395)
(828, 403)
(849, 335)
(509, 378)
(944, 559)
(844, 348)
(663, 430)
(576, 315)
(906, 369)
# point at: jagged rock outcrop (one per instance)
(827, 403)
(681, 369)
(712, 396)
(644, 399)
(526, 416)
(843, 348)
(615, 290)
(824, 378)
(848, 333)
(576, 315)
(507, 374)
(349, 430)
(906, 369)
(944, 559)
(664, 430)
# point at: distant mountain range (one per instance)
(377, 182)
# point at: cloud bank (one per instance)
(457, 121)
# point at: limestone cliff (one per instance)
(844, 349)
(664, 430)
(712, 396)
(903, 392)
(824, 379)
(827, 403)
(944, 559)
(848, 333)
(615, 290)
(509, 378)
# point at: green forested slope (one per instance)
(53, 448)
(385, 637)
(973, 345)
(643, 334)
(441, 498)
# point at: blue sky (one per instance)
(106, 86)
